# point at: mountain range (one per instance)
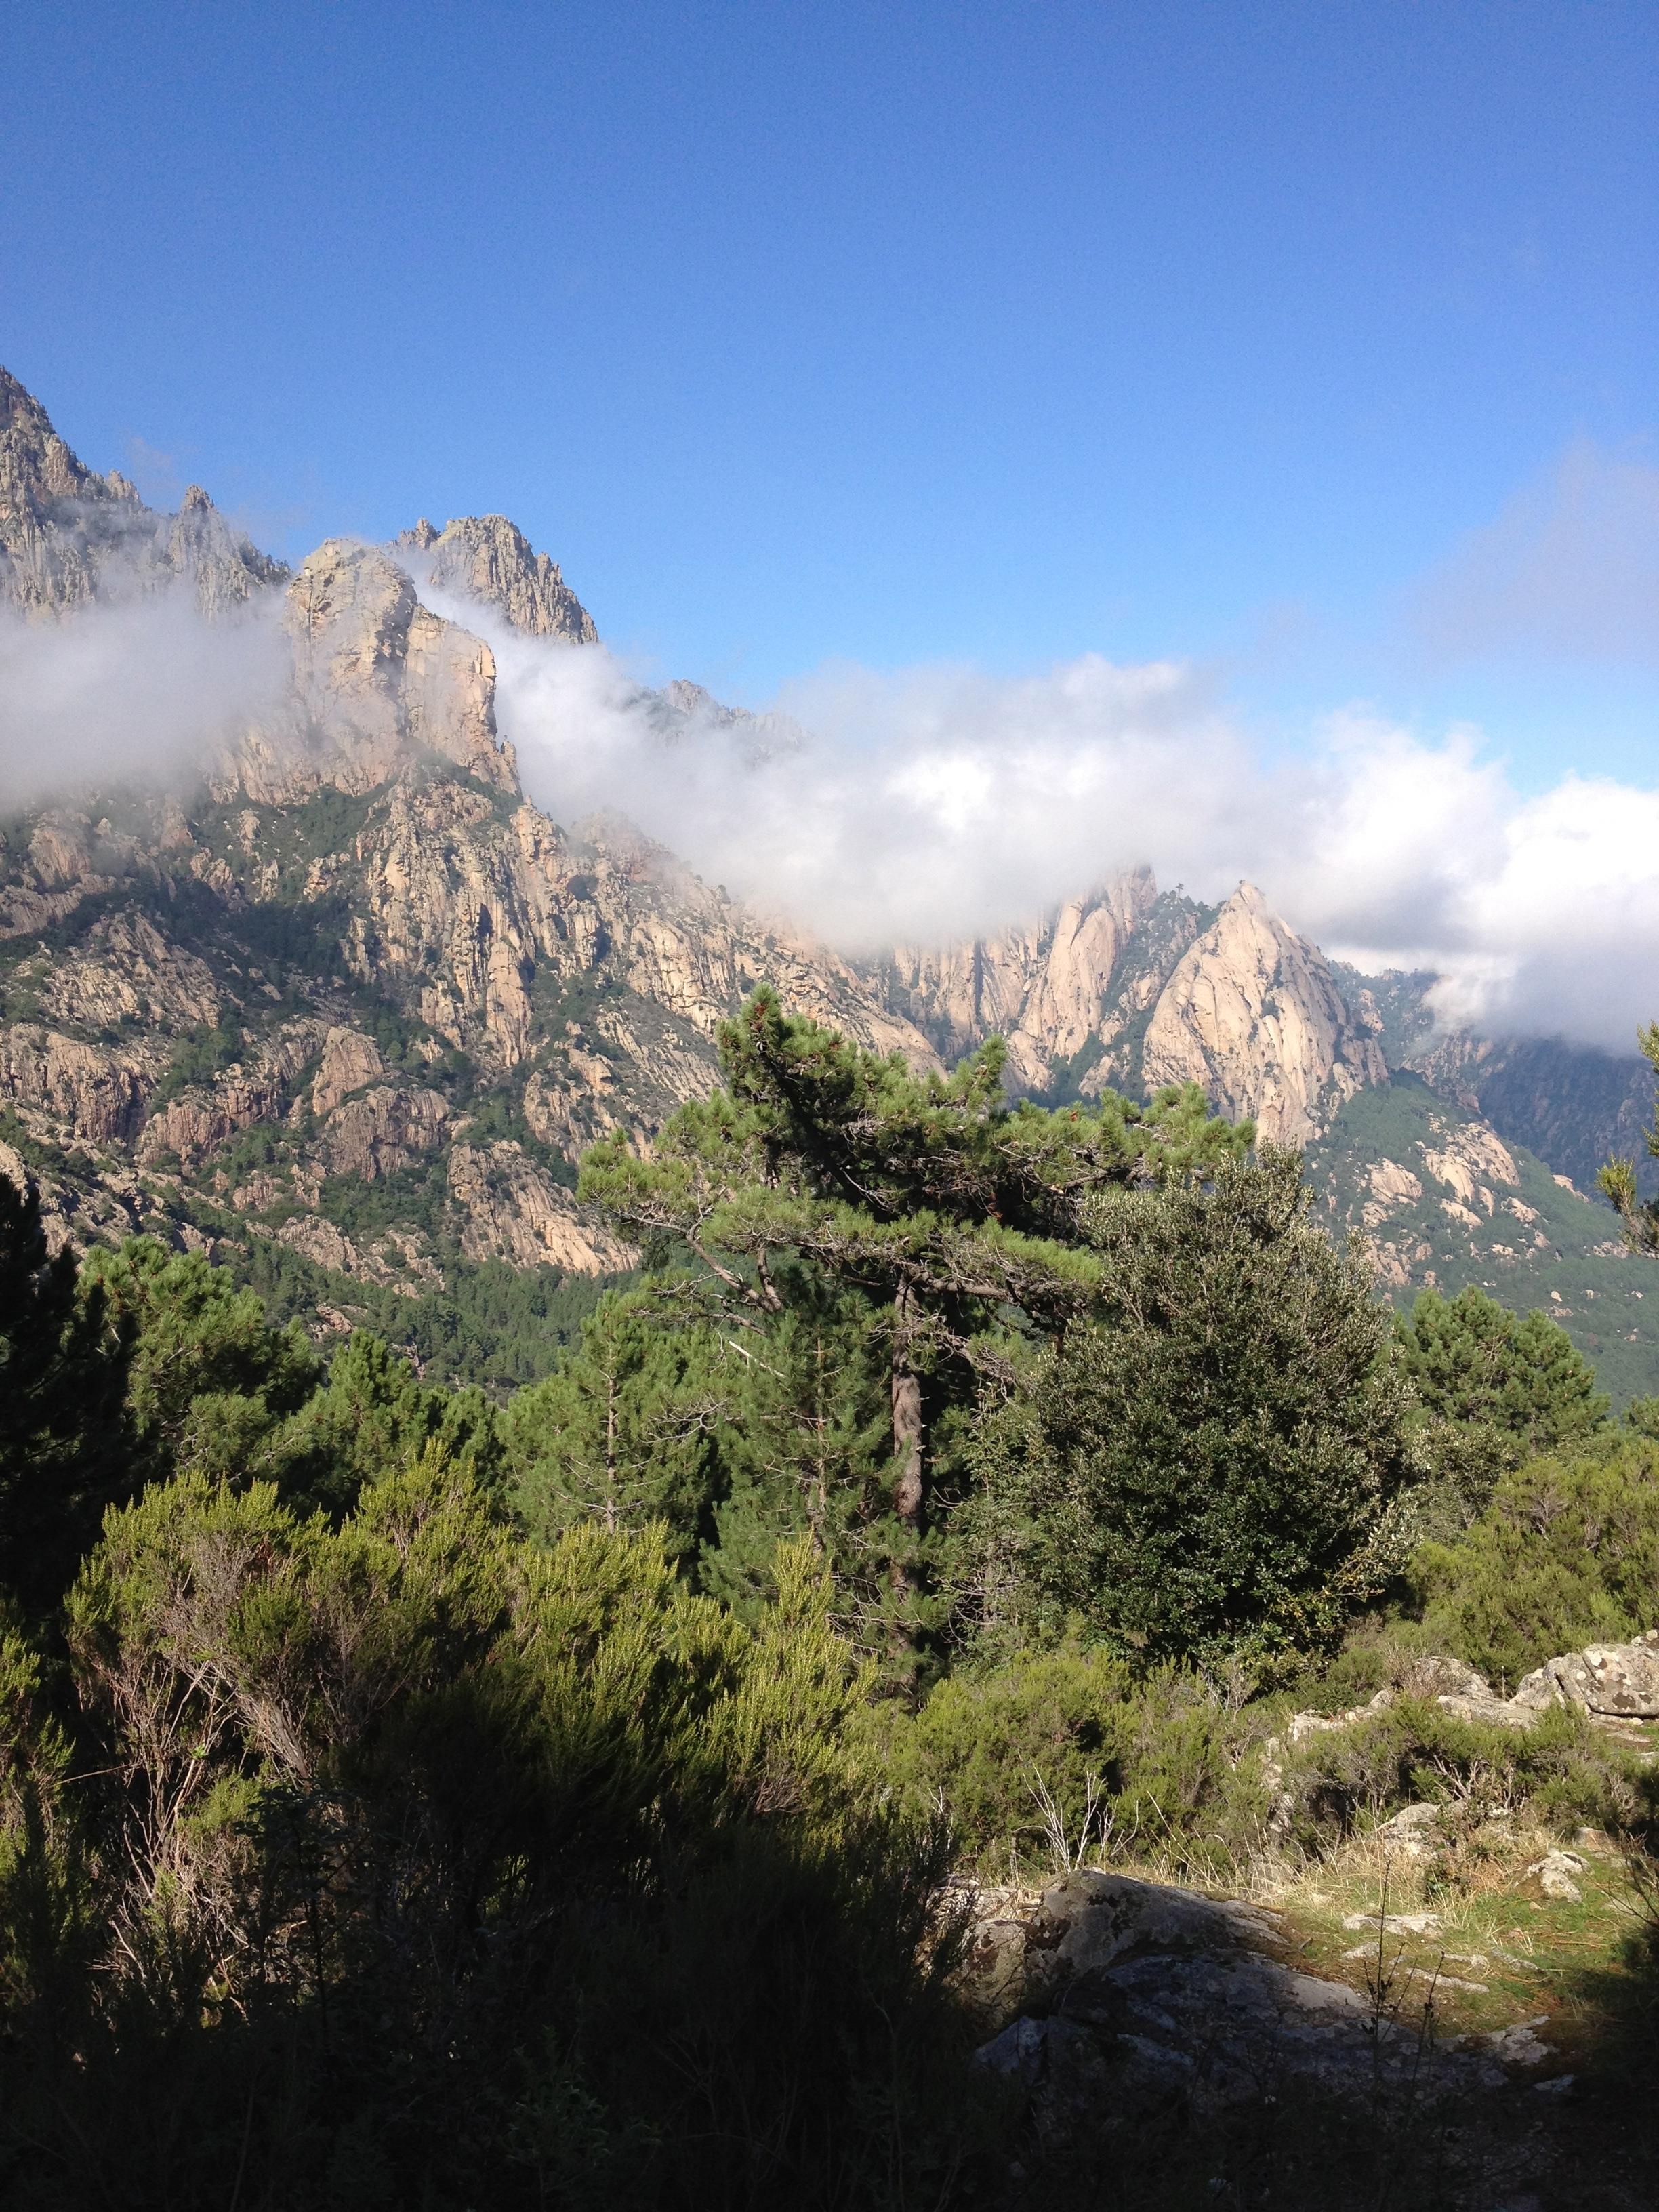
(343, 1009)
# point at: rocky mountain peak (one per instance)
(68, 536)
(37, 469)
(380, 682)
(1252, 1012)
(488, 558)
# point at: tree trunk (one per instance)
(908, 1489)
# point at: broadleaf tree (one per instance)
(1206, 1466)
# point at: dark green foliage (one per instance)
(826, 1173)
(1567, 1554)
(1522, 1380)
(491, 1324)
(1412, 1752)
(1072, 1748)
(199, 1055)
(63, 1438)
(209, 1382)
(623, 1432)
(373, 1415)
(420, 1866)
(1207, 1465)
(808, 1445)
(1618, 1177)
(494, 1115)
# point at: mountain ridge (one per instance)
(355, 1004)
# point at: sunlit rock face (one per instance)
(349, 955)
(349, 968)
(488, 558)
(68, 536)
(1253, 1013)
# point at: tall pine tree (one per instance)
(953, 1214)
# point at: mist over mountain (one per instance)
(341, 909)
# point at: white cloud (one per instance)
(133, 691)
(940, 803)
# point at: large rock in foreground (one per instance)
(1134, 1994)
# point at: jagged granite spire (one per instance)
(488, 558)
(68, 536)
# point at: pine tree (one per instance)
(622, 1432)
(1617, 1179)
(950, 1213)
(1475, 1363)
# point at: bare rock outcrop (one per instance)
(1043, 989)
(96, 1093)
(383, 1131)
(488, 558)
(1253, 1014)
(259, 1089)
(515, 1210)
(1132, 1995)
(124, 970)
(68, 536)
(1615, 1685)
(351, 1061)
(378, 680)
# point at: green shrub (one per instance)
(1567, 1554)
(1412, 1752)
(409, 1862)
(1519, 1377)
(1145, 1765)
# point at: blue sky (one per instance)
(1319, 341)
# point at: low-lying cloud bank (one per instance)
(941, 803)
(138, 691)
(938, 804)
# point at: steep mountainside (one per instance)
(1570, 1104)
(68, 536)
(1129, 989)
(486, 558)
(1440, 1199)
(347, 1013)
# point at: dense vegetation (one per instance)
(408, 1798)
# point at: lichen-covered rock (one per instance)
(1618, 1680)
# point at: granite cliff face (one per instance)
(1253, 1014)
(486, 558)
(1043, 989)
(353, 1004)
(353, 996)
(68, 536)
(1133, 990)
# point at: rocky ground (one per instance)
(1454, 2008)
